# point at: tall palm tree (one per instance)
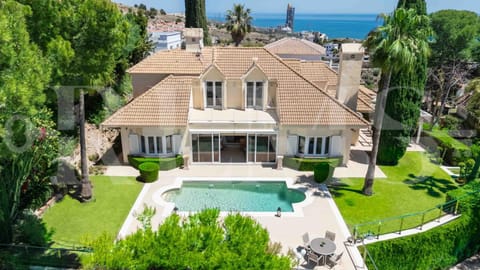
(395, 46)
(239, 22)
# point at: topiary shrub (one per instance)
(166, 164)
(307, 164)
(322, 172)
(148, 171)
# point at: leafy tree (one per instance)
(86, 41)
(402, 108)
(455, 34)
(394, 46)
(200, 241)
(195, 17)
(454, 30)
(23, 71)
(239, 22)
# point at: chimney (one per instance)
(193, 39)
(351, 60)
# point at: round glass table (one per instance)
(323, 247)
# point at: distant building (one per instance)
(166, 40)
(290, 17)
(331, 49)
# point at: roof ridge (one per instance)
(318, 88)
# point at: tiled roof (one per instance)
(174, 62)
(295, 46)
(326, 78)
(314, 70)
(299, 101)
(166, 104)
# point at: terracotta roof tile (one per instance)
(295, 46)
(174, 62)
(299, 101)
(166, 104)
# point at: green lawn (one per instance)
(73, 221)
(414, 185)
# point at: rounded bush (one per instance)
(322, 171)
(148, 171)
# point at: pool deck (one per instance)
(319, 215)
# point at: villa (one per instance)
(216, 105)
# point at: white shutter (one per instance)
(134, 145)
(177, 143)
(337, 145)
(292, 144)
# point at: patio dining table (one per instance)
(323, 247)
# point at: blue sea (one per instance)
(334, 25)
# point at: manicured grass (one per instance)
(414, 185)
(443, 136)
(73, 221)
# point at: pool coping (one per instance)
(291, 184)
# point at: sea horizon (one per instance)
(334, 25)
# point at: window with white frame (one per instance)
(254, 95)
(313, 146)
(213, 92)
(156, 145)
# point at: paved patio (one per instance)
(319, 215)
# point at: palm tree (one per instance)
(239, 22)
(394, 47)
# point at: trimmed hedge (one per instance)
(438, 248)
(322, 171)
(453, 151)
(308, 164)
(165, 164)
(148, 171)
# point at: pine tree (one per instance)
(195, 17)
(402, 108)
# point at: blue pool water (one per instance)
(234, 196)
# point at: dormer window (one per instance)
(213, 94)
(254, 95)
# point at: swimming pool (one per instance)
(244, 196)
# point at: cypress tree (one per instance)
(195, 17)
(402, 108)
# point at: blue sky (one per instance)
(308, 6)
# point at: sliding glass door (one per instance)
(206, 148)
(262, 148)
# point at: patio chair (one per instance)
(330, 235)
(332, 261)
(314, 258)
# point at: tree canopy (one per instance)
(200, 241)
(239, 22)
(402, 108)
(454, 31)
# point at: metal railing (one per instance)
(401, 223)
